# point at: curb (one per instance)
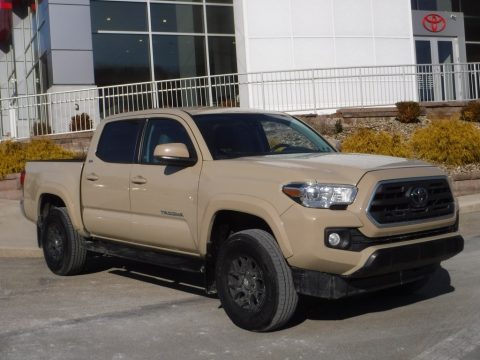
(469, 203)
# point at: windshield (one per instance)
(250, 134)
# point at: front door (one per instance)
(164, 198)
(437, 78)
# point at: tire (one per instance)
(63, 248)
(254, 282)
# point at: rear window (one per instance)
(118, 142)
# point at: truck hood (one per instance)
(332, 168)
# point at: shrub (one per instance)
(338, 126)
(41, 128)
(471, 111)
(371, 142)
(408, 111)
(450, 142)
(81, 122)
(13, 155)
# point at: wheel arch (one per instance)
(51, 198)
(245, 212)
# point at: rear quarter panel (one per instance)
(58, 178)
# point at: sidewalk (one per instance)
(18, 236)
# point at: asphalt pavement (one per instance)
(125, 310)
(120, 309)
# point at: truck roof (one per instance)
(188, 110)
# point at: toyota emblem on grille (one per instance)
(419, 197)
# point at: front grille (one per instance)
(400, 201)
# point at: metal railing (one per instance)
(296, 91)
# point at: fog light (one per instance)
(334, 239)
(338, 238)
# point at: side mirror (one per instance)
(173, 154)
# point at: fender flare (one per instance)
(248, 205)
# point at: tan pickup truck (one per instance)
(258, 202)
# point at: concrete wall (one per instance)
(302, 34)
(275, 35)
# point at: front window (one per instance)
(237, 135)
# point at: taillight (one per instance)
(22, 178)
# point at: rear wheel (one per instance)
(254, 282)
(63, 248)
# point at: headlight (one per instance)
(320, 195)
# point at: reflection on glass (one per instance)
(472, 28)
(445, 52)
(425, 77)
(116, 15)
(471, 7)
(434, 5)
(222, 55)
(177, 18)
(423, 52)
(473, 52)
(220, 20)
(445, 57)
(120, 58)
(177, 56)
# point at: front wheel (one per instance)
(63, 248)
(254, 282)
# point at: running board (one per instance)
(147, 255)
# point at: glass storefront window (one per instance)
(434, 5)
(177, 48)
(220, 20)
(192, 1)
(473, 52)
(222, 55)
(178, 56)
(120, 58)
(118, 16)
(471, 7)
(472, 28)
(177, 18)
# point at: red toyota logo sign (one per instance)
(434, 23)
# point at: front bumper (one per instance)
(384, 268)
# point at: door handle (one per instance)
(139, 180)
(92, 177)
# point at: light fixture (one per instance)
(109, 18)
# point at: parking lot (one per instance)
(126, 310)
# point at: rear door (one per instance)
(106, 180)
(164, 197)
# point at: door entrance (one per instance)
(437, 78)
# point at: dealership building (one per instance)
(54, 46)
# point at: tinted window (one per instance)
(177, 56)
(116, 15)
(221, 50)
(220, 20)
(177, 18)
(118, 141)
(238, 135)
(120, 58)
(164, 131)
